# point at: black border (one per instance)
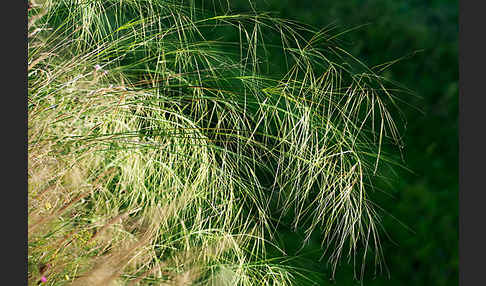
(471, 142)
(14, 119)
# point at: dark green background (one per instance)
(426, 34)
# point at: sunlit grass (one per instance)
(159, 152)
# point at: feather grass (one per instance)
(146, 125)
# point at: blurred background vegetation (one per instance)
(423, 34)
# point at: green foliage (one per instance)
(194, 149)
(423, 36)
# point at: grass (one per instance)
(163, 153)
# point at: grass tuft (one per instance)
(161, 152)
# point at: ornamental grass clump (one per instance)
(163, 150)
